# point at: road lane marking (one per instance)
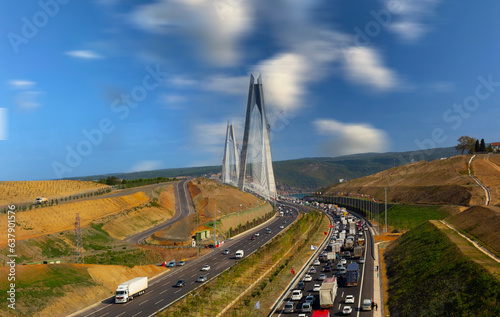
(178, 291)
(164, 291)
(143, 302)
(137, 314)
(161, 300)
(104, 314)
(120, 314)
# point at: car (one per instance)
(321, 277)
(316, 262)
(296, 294)
(349, 299)
(252, 238)
(316, 287)
(361, 260)
(257, 234)
(312, 270)
(171, 264)
(310, 299)
(226, 251)
(339, 266)
(268, 231)
(307, 278)
(343, 261)
(360, 233)
(181, 263)
(347, 310)
(367, 304)
(342, 270)
(347, 254)
(289, 308)
(338, 275)
(180, 283)
(205, 267)
(282, 227)
(327, 268)
(202, 279)
(306, 307)
(301, 285)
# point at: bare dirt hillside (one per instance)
(443, 182)
(14, 192)
(44, 289)
(482, 223)
(230, 205)
(37, 222)
(487, 169)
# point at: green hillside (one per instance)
(429, 276)
(307, 174)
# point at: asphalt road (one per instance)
(162, 291)
(183, 208)
(364, 290)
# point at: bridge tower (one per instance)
(256, 166)
(231, 161)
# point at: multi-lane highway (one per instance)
(162, 291)
(364, 290)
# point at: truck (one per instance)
(321, 313)
(239, 254)
(327, 292)
(352, 274)
(128, 290)
(330, 256)
(358, 251)
(336, 247)
(41, 200)
(361, 241)
(349, 244)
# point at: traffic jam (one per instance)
(329, 287)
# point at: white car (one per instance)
(297, 294)
(349, 299)
(257, 234)
(347, 310)
(343, 261)
(205, 267)
(361, 260)
(306, 308)
(316, 262)
(321, 277)
(316, 287)
(282, 227)
(307, 278)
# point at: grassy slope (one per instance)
(437, 182)
(406, 217)
(429, 276)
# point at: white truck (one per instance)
(327, 292)
(41, 200)
(128, 290)
(239, 254)
(358, 252)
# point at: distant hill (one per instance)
(308, 174)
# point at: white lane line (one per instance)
(161, 300)
(104, 314)
(163, 291)
(178, 291)
(120, 314)
(143, 302)
(342, 295)
(137, 314)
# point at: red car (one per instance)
(252, 238)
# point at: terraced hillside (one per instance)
(14, 192)
(440, 182)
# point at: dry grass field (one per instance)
(38, 222)
(13, 192)
(487, 169)
(444, 182)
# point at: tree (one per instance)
(482, 146)
(477, 147)
(465, 143)
(489, 149)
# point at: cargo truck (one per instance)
(321, 313)
(327, 292)
(361, 241)
(239, 254)
(336, 247)
(358, 252)
(128, 290)
(352, 274)
(41, 200)
(349, 244)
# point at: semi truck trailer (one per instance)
(128, 290)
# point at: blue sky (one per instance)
(107, 86)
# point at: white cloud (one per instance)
(180, 81)
(209, 138)
(217, 26)
(351, 138)
(233, 85)
(411, 18)
(173, 102)
(21, 84)
(85, 54)
(146, 166)
(364, 65)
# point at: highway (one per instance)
(162, 291)
(183, 208)
(364, 290)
